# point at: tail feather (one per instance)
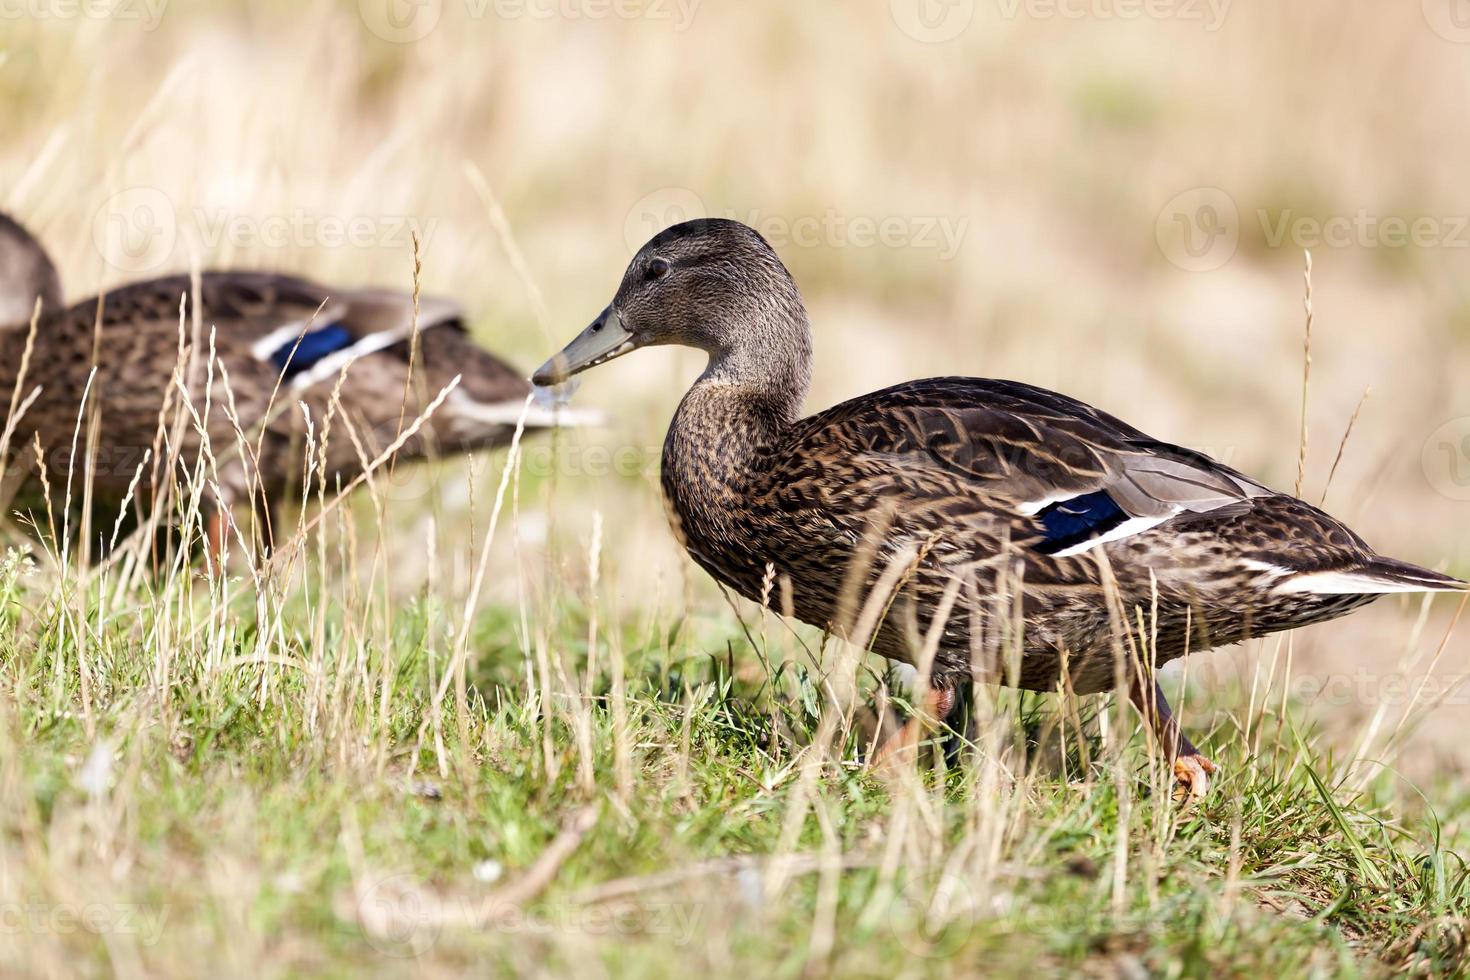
(1377, 576)
(1391, 570)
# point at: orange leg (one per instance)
(217, 539)
(1191, 769)
(937, 705)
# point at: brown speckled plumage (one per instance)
(133, 335)
(956, 484)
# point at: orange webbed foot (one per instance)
(1193, 774)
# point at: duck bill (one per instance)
(604, 340)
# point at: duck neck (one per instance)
(770, 372)
(747, 397)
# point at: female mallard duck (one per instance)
(273, 351)
(964, 485)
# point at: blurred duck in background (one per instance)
(281, 370)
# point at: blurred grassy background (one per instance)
(1066, 195)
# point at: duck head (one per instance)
(711, 284)
(26, 273)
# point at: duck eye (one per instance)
(658, 268)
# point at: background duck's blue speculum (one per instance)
(293, 358)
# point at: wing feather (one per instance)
(1021, 451)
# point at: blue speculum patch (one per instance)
(293, 358)
(1071, 522)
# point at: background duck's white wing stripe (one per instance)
(263, 348)
(509, 413)
(329, 366)
(1134, 525)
